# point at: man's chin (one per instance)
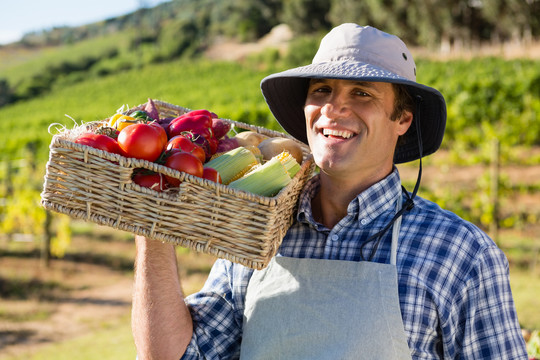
(333, 167)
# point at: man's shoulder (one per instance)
(442, 223)
(443, 240)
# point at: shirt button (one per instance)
(363, 221)
(335, 237)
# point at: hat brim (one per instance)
(285, 93)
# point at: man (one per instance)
(368, 270)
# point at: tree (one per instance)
(177, 37)
(6, 94)
(246, 20)
(306, 16)
(510, 19)
(342, 11)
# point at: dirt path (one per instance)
(231, 50)
(99, 296)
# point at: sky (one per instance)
(23, 16)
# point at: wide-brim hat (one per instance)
(353, 52)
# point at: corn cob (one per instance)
(266, 180)
(256, 151)
(290, 163)
(233, 164)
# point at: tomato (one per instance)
(183, 143)
(208, 135)
(211, 174)
(141, 141)
(204, 138)
(154, 181)
(99, 141)
(185, 162)
(161, 131)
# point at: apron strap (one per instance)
(395, 237)
(409, 204)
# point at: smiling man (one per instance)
(367, 270)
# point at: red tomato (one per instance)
(185, 162)
(183, 143)
(203, 143)
(211, 174)
(141, 141)
(161, 131)
(205, 138)
(154, 181)
(99, 141)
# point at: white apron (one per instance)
(324, 309)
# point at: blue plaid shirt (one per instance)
(454, 291)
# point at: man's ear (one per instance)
(404, 122)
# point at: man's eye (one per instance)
(361, 93)
(321, 89)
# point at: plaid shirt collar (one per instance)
(368, 205)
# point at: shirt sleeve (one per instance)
(217, 313)
(484, 319)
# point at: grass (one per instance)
(112, 341)
(32, 312)
(526, 291)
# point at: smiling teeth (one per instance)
(340, 133)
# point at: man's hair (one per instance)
(403, 101)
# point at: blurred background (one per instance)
(65, 285)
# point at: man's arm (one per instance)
(161, 322)
(490, 325)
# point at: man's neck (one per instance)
(330, 204)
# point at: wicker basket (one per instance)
(96, 186)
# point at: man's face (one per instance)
(349, 128)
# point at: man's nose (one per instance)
(335, 107)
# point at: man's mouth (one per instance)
(345, 134)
